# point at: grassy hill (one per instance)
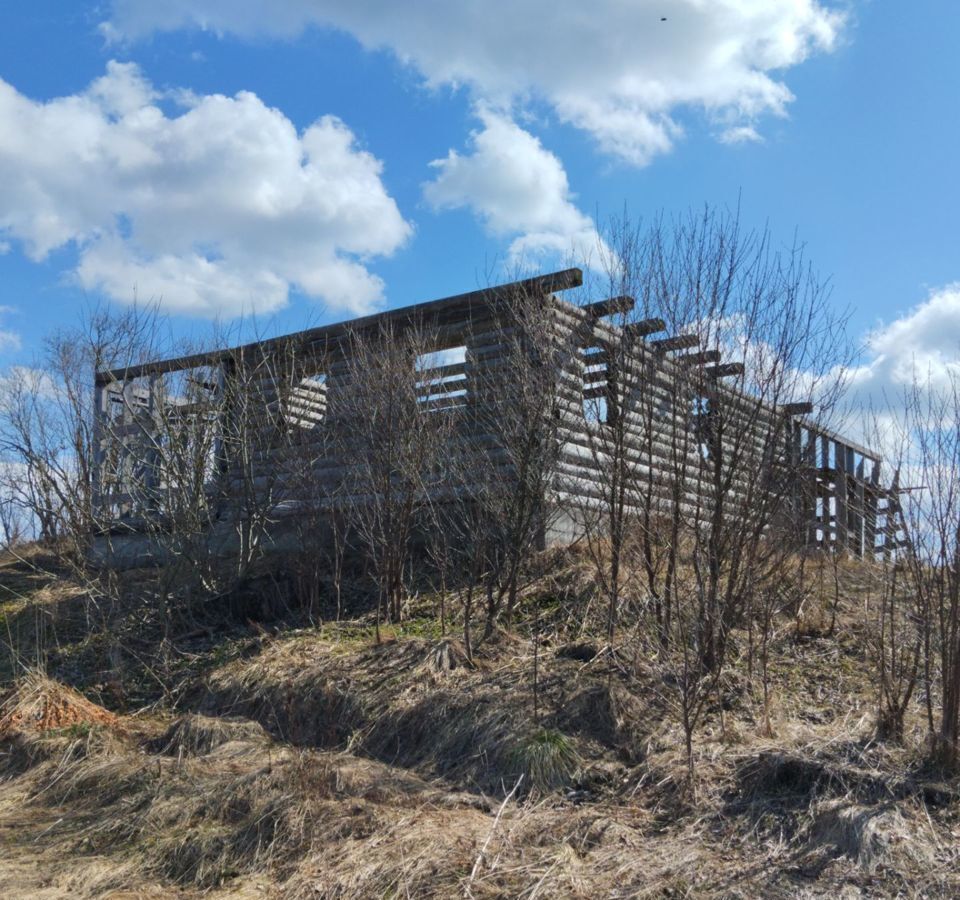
(259, 753)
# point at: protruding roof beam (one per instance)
(803, 408)
(678, 342)
(724, 371)
(644, 327)
(613, 305)
(698, 359)
(546, 284)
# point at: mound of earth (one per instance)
(196, 735)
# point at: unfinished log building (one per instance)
(837, 499)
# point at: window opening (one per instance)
(442, 378)
(306, 402)
(596, 386)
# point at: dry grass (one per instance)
(196, 735)
(314, 763)
(37, 704)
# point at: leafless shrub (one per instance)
(517, 424)
(694, 455)
(929, 557)
(47, 430)
(390, 437)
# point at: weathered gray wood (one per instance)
(644, 327)
(724, 370)
(698, 359)
(678, 342)
(666, 409)
(609, 307)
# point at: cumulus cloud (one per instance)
(612, 68)
(517, 188)
(923, 344)
(219, 209)
(919, 349)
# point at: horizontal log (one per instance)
(459, 305)
(440, 373)
(596, 393)
(698, 359)
(678, 342)
(609, 307)
(644, 327)
(725, 370)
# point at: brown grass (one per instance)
(315, 763)
(196, 735)
(38, 704)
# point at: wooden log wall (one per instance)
(681, 423)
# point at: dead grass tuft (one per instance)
(446, 656)
(870, 836)
(38, 704)
(197, 735)
(610, 714)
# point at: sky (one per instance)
(305, 161)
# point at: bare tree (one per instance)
(390, 436)
(47, 427)
(930, 550)
(769, 308)
(630, 446)
(516, 429)
(694, 447)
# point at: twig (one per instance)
(543, 878)
(481, 856)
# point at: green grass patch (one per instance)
(546, 758)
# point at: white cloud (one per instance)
(517, 188)
(610, 67)
(9, 340)
(923, 344)
(921, 348)
(740, 134)
(219, 209)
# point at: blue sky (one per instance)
(310, 159)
